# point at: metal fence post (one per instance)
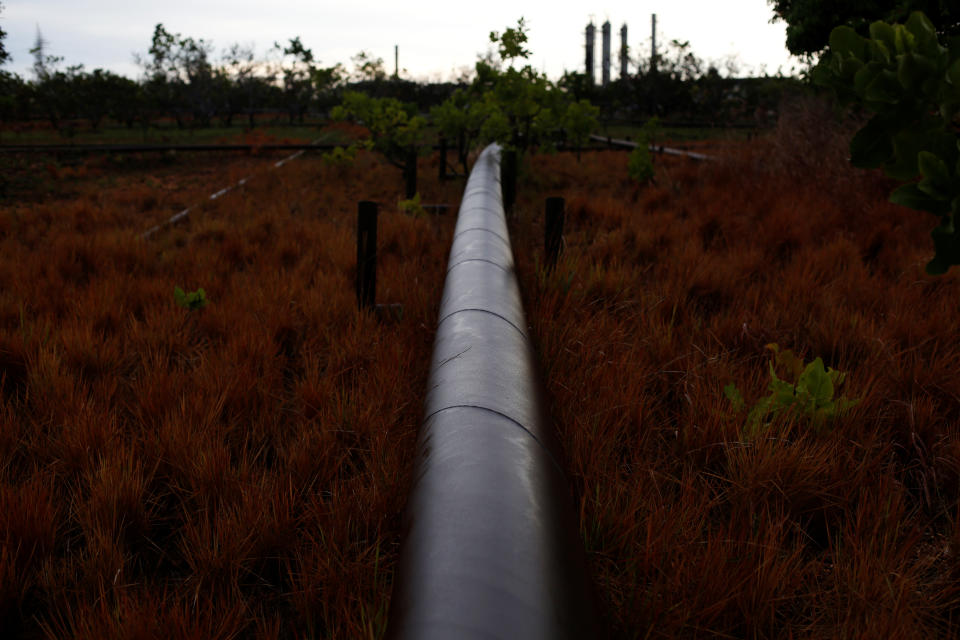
(410, 172)
(366, 254)
(553, 230)
(443, 159)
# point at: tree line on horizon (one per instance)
(184, 82)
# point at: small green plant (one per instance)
(190, 301)
(640, 165)
(412, 206)
(345, 156)
(340, 156)
(811, 393)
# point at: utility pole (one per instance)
(396, 61)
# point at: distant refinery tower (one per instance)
(606, 53)
(624, 53)
(590, 66)
(653, 42)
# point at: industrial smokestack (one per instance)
(653, 42)
(591, 37)
(606, 53)
(624, 53)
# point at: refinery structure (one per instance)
(605, 62)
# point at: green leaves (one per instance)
(925, 34)
(912, 83)
(946, 240)
(865, 76)
(869, 148)
(936, 176)
(953, 74)
(734, 396)
(345, 156)
(394, 125)
(190, 301)
(516, 107)
(913, 71)
(412, 207)
(640, 164)
(886, 35)
(510, 42)
(885, 87)
(846, 42)
(810, 395)
(910, 196)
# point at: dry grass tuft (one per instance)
(665, 294)
(232, 472)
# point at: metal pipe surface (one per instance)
(657, 148)
(491, 546)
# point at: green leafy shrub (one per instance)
(811, 393)
(190, 301)
(394, 126)
(515, 106)
(911, 83)
(345, 156)
(412, 206)
(640, 164)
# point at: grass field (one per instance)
(234, 471)
(239, 471)
(666, 294)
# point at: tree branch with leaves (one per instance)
(517, 107)
(910, 81)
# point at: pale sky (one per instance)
(436, 38)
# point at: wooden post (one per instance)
(442, 174)
(508, 179)
(366, 254)
(553, 236)
(410, 172)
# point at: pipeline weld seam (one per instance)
(451, 358)
(545, 448)
(460, 233)
(473, 193)
(496, 264)
(470, 207)
(493, 313)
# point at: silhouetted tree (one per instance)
(4, 55)
(297, 67)
(101, 93)
(179, 76)
(809, 22)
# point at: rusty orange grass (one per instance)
(667, 293)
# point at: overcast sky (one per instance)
(436, 39)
